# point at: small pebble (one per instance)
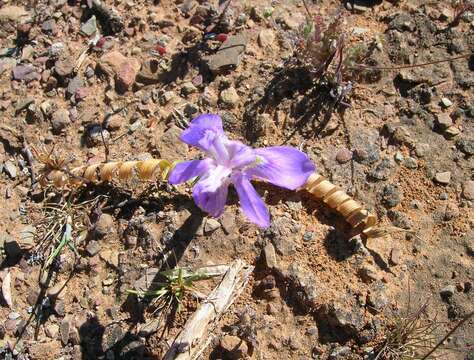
(468, 190)
(447, 291)
(443, 178)
(343, 156)
(445, 102)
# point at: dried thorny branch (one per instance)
(460, 8)
(415, 336)
(323, 50)
(62, 225)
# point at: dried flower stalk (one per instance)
(337, 199)
(55, 171)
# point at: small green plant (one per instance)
(175, 285)
(268, 12)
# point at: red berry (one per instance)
(160, 49)
(221, 37)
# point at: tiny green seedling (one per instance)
(175, 285)
(268, 12)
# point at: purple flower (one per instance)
(232, 162)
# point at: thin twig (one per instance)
(29, 159)
(307, 9)
(369, 67)
(219, 20)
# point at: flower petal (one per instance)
(210, 193)
(211, 202)
(250, 202)
(283, 166)
(240, 154)
(186, 170)
(202, 131)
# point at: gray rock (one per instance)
(150, 72)
(395, 256)
(399, 219)
(60, 120)
(410, 163)
(468, 190)
(167, 97)
(308, 236)
(377, 298)
(74, 85)
(444, 121)
(112, 335)
(170, 146)
(451, 132)
(283, 233)
(382, 170)
(188, 88)
(27, 236)
(48, 26)
(340, 352)
(191, 110)
(65, 329)
(104, 225)
(390, 196)
(343, 155)
(23, 104)
(64, 68)
(266, 37)
(366, 152)
(59, 307)
(93, 248)
(228, 222)
(95, 134)
(270, 256)
(229, 97)
(466, 146)
(307, 289)
(443, 178)
(446, 103)
(10, 169)
(211, 225)
(369, 273)
(422, 149)
(447, 291)
(229, 54)
(25, 72)
(51, 331)
(402, 22)
(90, 26)
(343, 317)
(56, 49)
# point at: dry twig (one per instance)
(194, 337)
